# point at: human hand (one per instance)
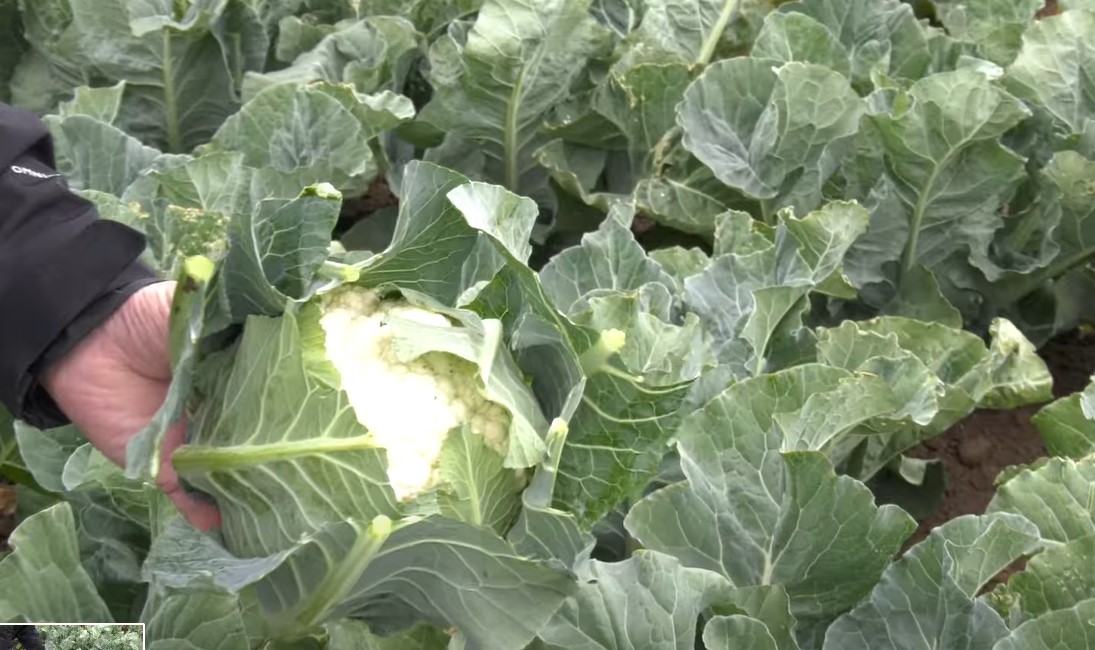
(112, 384)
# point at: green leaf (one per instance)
(995, 27)
(495, 82)
(44, 578)
(762, 517)
(94, 155)
(1068, 425)
(966, 375)
(738, 631)
(646, 601)
(168, 61)
(1049, 241)
(299, 135)
(55, 62)
(198, 619)
(947, 176)
(436, 570)
(373, 54)
(1065, 628)
(661, 353)
(691, 30)
(878, 35)
(769, 130)
(751, 299)
(680, 263)
(1055, 495)
(793, 36)
(608, 260)
(641, 102)
(615, 426)
(688, 197)
(768, 605)
(927, 599)
(1052, 580)
(354, 635)
(102, 104)
(1051, 73)
(480, 491)
(450, 235)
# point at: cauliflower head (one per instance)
(408, 407)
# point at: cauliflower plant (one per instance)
(409, 408)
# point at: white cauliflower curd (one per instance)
(409, 408)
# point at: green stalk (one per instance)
(208, 459)
(339, 582)
(729, 8)
(171, 107)
(340, 272)
(510, 136)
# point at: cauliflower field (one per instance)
(665, 291)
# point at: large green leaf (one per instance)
(994, 27)
(1064, 628)
(1052, 239)
(494, 83)
(759, 516)
(55, 63)
(878, 35)
(113, 517)
(372, 54)
(947, 174)
(607, 261)
(1052, 580)
(752, 296)
(436, 570)
(793, 36)
(168, 60)
(770, 131)
(927, 599)
(647, 601)
(1068, 425)
(44, 578)
(444, 245)
(690, 30)
(950, 373)
(299, 135)
(1055, 495)
(196, 619)
(1052, 74)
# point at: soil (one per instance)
(976, 450)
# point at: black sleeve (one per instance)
(63, 270)
(29, 638)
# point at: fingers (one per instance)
(200, 514)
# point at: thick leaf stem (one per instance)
(1058, 269)
(171, 106)
(206, 459)
(541, 490)
(711, 43)
(340, 272)
(338, 583)
(510, 144)
(908, 256)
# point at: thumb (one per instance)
(200, 514)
